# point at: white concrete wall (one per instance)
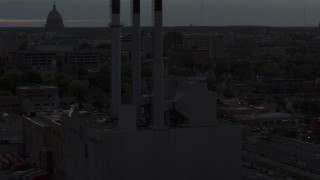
(179, 154)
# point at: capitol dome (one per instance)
(54, 20)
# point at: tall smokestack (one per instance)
(136, 54)
(116, 58)
(158, 83)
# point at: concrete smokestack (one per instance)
(116, 58)
(158, 83)
(136, 53)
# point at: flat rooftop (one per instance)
(102, 122)
(45, 119)
(94, 120)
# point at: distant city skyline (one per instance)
(95, 13)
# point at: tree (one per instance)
(211, 84)
(269, 99)
(78, 89)
(228, 93)
(258, 86)
(290, 133)
(222, 67)
(6, 85)
(105, 70)
(181, 71)
(15, 78)
(59, 63)
(101, 101)
(85, 46)
(189, 62)
(281, 101)
(6, 93)
(103, 79)
(126, 73)
(62, 81)
(126, 88)
(146, 70)
(104, 46)
(269, 69)
(33, 77)
(82, 72)
(10, 80)
(23, 67)
(246, 132)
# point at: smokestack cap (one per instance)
(136, 6)
(158, 5)
(115, 6)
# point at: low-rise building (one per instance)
(38, 98)
(10, 104)
(287, 86)
(82, 58)
(43, 142)
(44, 62)
(214, 44)
(9, 43)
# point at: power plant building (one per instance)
(97, 151)
(171, 134)
(194, 145)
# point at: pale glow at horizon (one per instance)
(21, 20)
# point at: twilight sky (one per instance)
(177, 12)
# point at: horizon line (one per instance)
(170, 26)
